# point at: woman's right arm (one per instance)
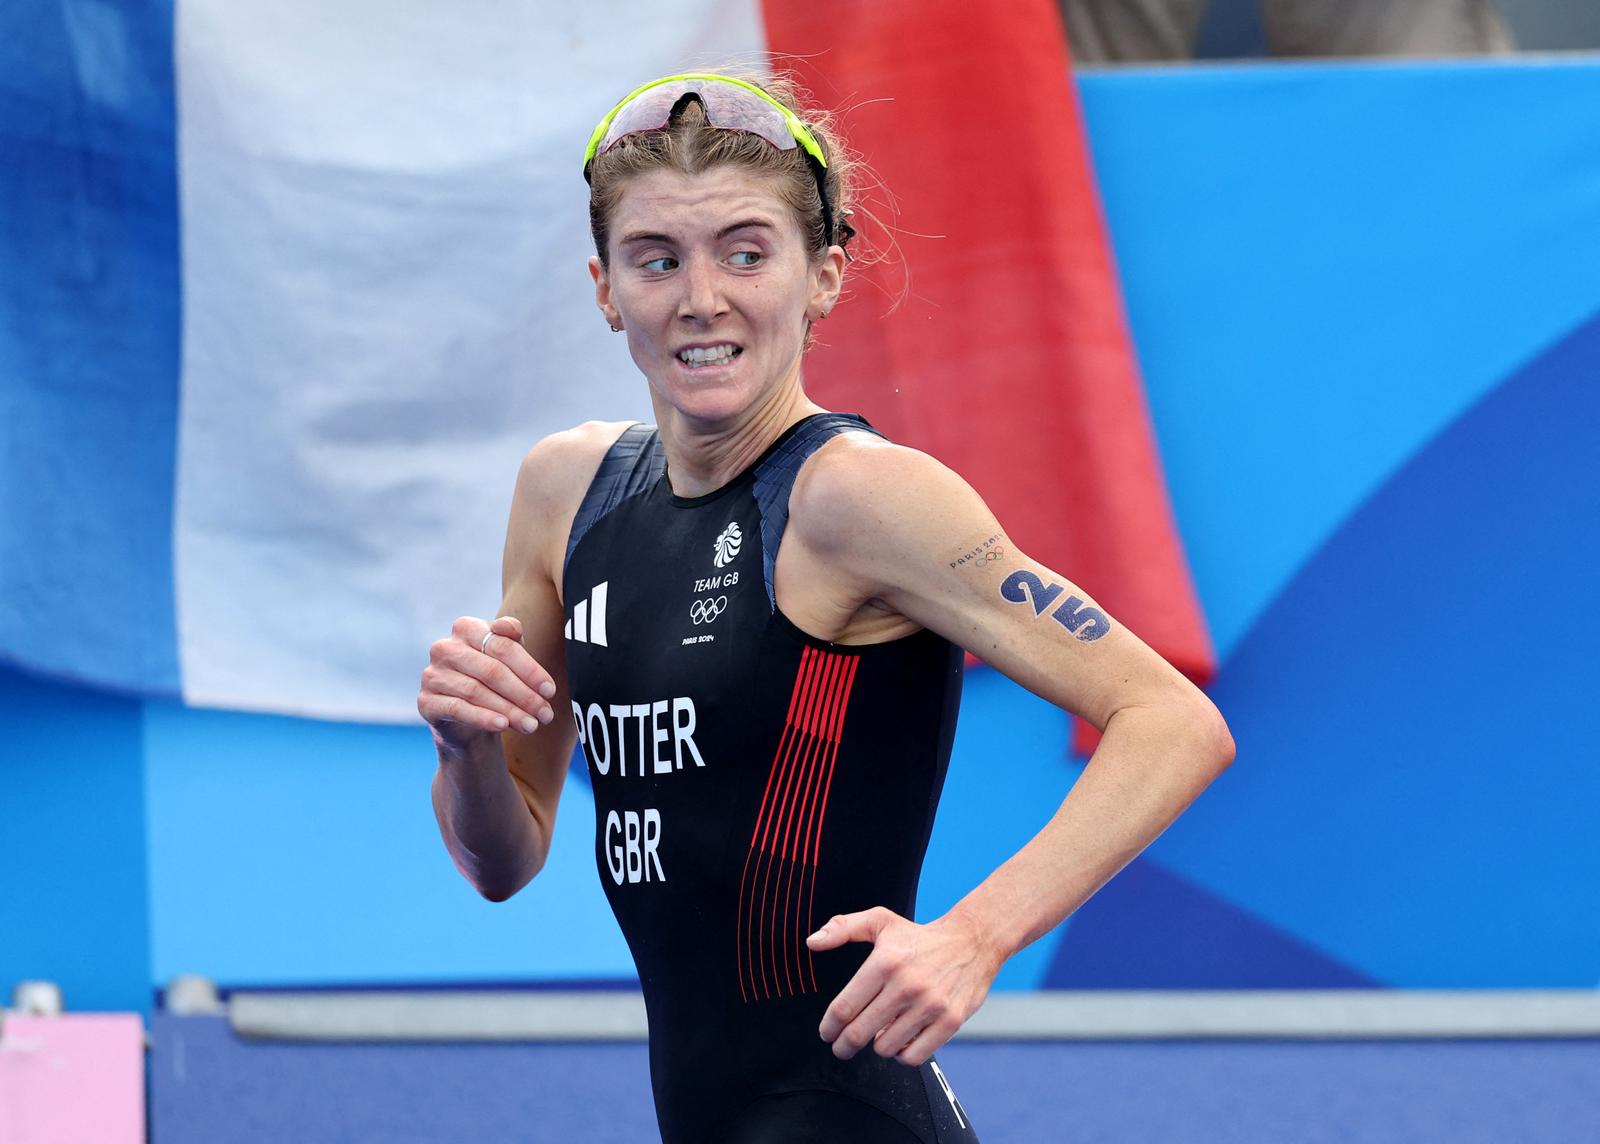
(496, 714)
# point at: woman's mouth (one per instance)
(700, 357)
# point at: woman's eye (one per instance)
(745, 257)
(661, 265)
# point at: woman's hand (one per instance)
(917, 987)
(475, 686)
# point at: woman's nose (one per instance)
(702, 297)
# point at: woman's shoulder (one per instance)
(562, 464)
(557, 471)
(853, 475)
(868, 504)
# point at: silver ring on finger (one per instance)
(484, 646)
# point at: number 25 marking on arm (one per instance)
(1084, 622)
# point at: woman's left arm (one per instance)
(895, 526)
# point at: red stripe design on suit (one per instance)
(777, 890)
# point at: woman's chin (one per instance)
(708, 401)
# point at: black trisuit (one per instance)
(750, 781)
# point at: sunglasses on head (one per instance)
(729, 104)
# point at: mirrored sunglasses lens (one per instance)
(737, 109)
(727, 106)
(648, 111)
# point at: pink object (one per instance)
(73, 1078)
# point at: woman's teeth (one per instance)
(709, 355)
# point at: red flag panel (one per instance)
(1010, 358)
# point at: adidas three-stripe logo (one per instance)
(588, 622)
(938, 1075)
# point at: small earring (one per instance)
(616, 329)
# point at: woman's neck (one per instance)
(703, 457)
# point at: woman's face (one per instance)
(710, 279)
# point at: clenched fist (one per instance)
(481, 680)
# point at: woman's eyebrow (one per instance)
(757, 223)
(749, 222)
(647, 236)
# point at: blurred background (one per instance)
(1274, 325)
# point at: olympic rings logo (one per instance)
(704, 611)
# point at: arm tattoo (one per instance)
(982, 555)
(1083, 621)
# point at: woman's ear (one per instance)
(602, 293)
(827, 279)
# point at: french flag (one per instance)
(287, 290)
